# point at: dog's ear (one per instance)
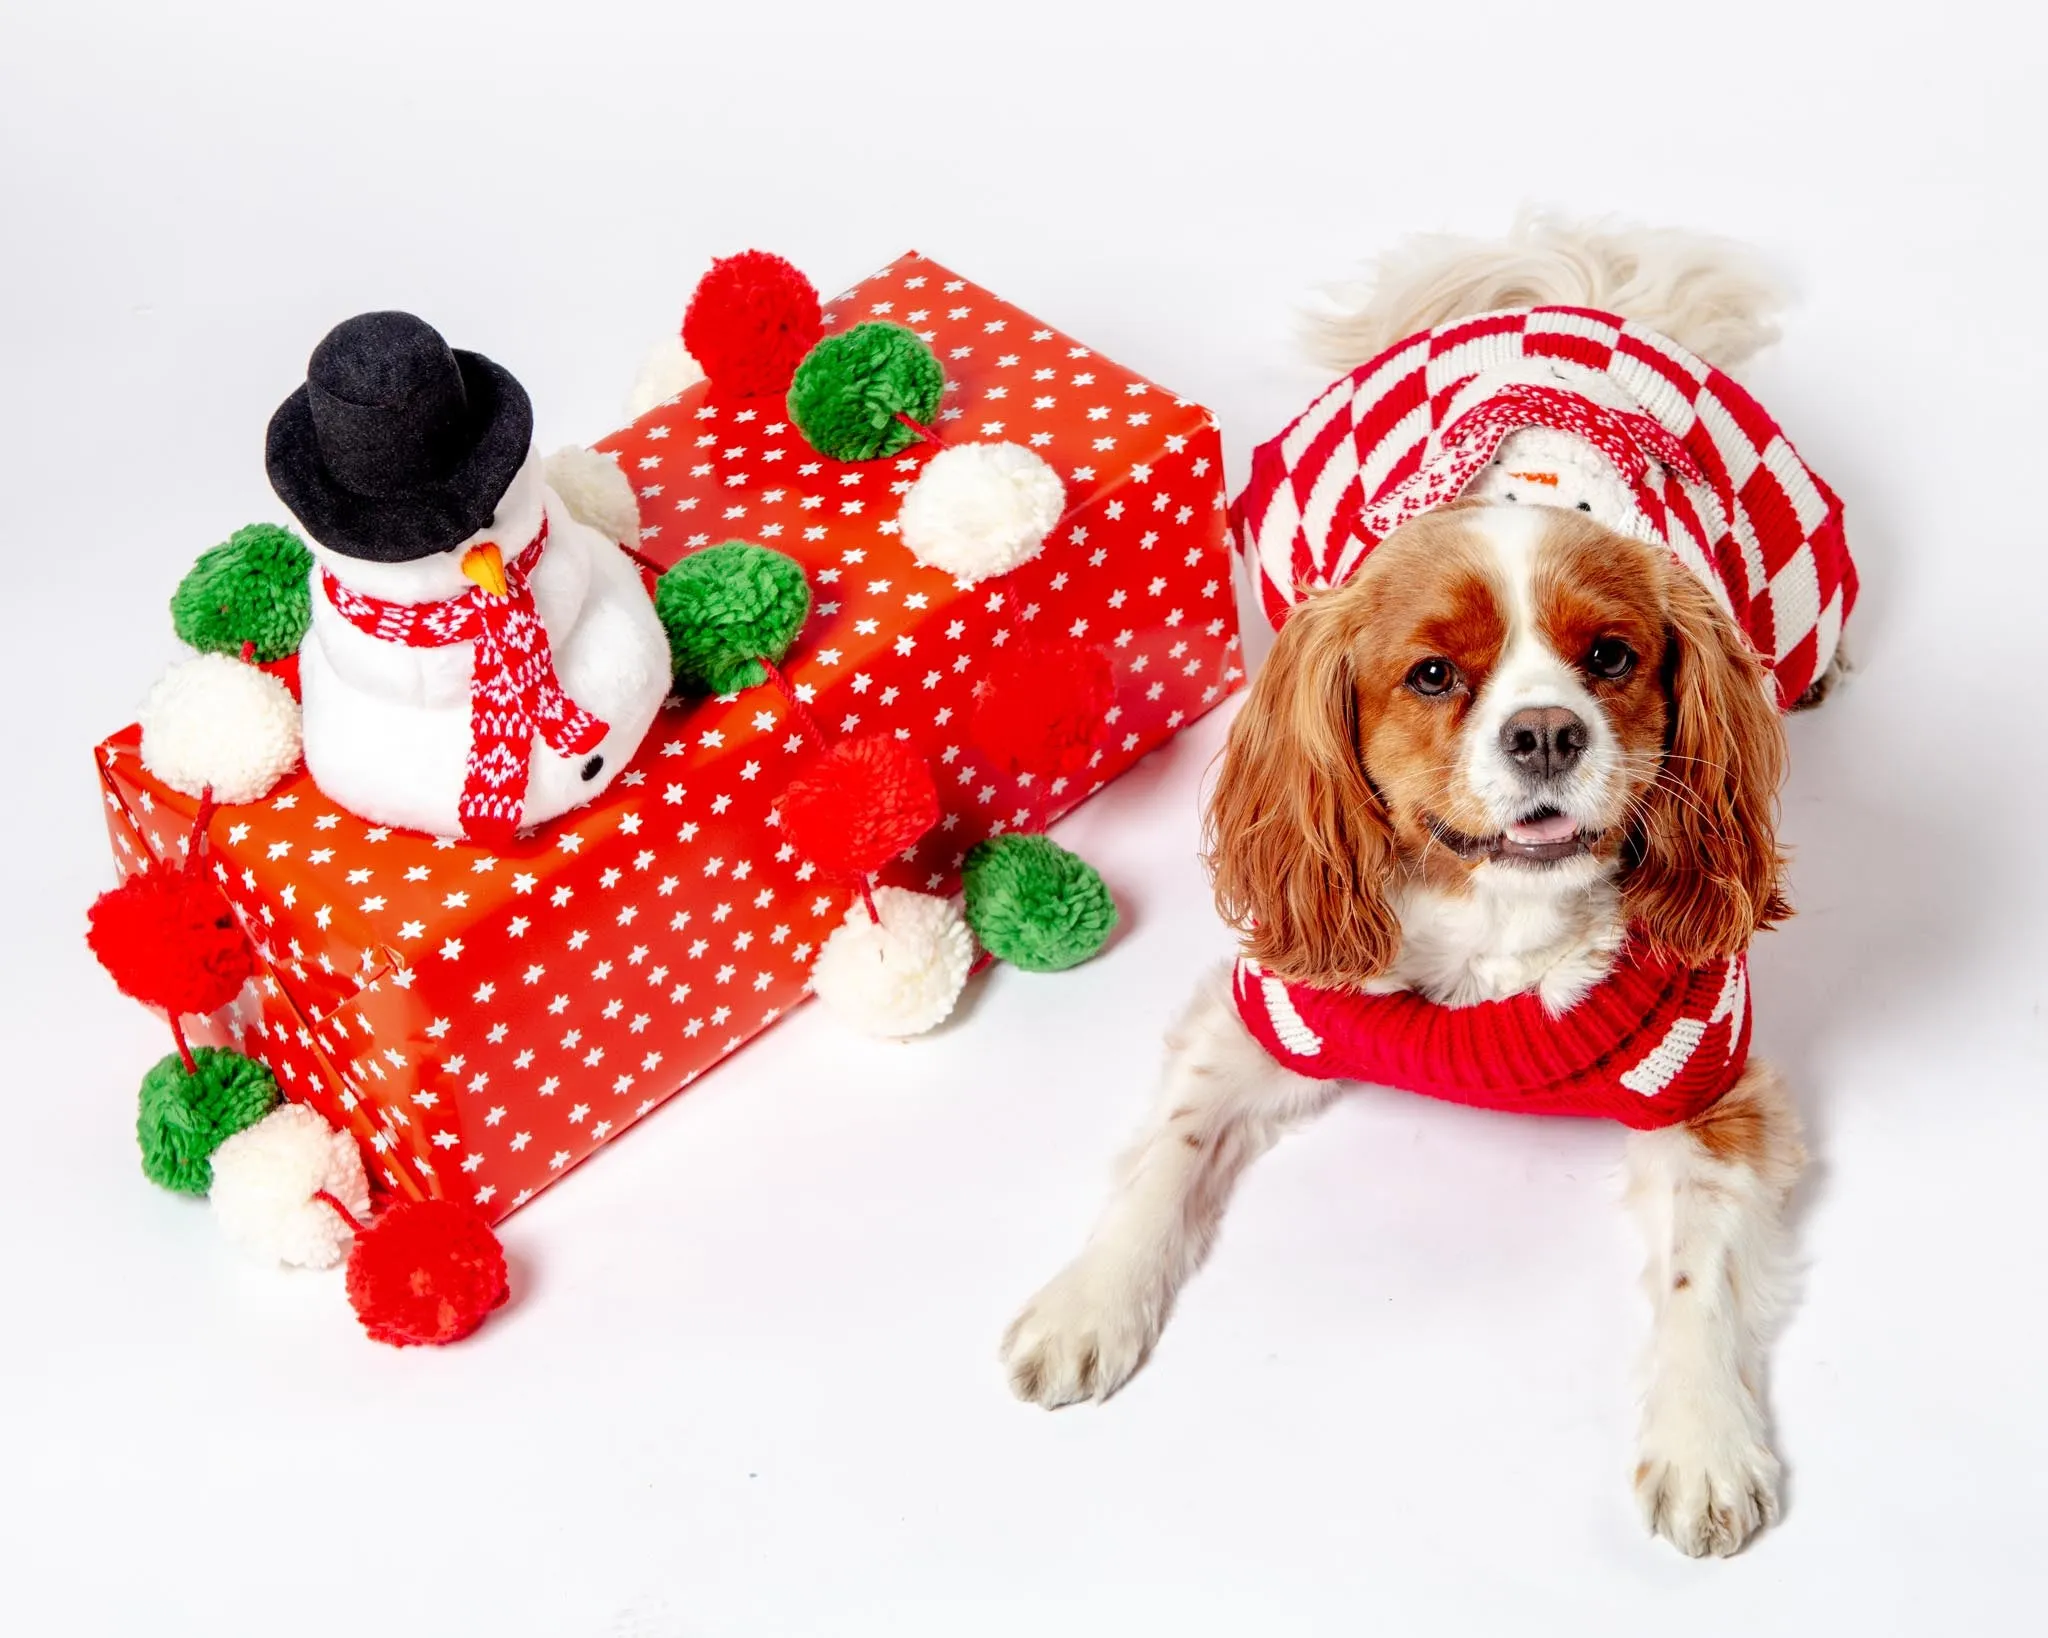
(1299, 843)
(1704, 871)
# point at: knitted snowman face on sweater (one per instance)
(1540, 466)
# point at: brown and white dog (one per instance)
(1512, 735)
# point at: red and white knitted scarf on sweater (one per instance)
(1711, 476)
(514, 693)
(1652, 1044)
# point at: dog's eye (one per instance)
(1433, 676)
(1611, 658)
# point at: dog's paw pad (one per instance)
(1080, 1338)
(1710, 1505)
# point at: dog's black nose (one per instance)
(1544, 742)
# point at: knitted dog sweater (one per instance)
(1604, 414)
(1651, 1044)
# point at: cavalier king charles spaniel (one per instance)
(1512, 741)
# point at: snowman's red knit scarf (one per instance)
(1652, 1044)
(514, 693)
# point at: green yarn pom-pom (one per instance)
(1036, 905)
(725, 609)
(848, 391)
(184, 1116)
(255, 587)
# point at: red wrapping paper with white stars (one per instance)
(484, 1020)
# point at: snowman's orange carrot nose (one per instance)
(486, 566)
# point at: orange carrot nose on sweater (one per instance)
(1537, 477)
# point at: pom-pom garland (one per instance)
(853, 392)
(268, 1183)
(899, 971)
(254, 588)
(168, 938)
(214, 722)
(864, 802)
(1036, 905)
(978, 510)
(726, 608)
(596, 492)
(1039, 709)
(751, 321)
(425, 1272)
(184, 1114)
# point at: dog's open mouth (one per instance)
(1542, 837)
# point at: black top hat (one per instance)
(397, 447)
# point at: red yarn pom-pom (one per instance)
(751, 321)
(168, 939)
(1039, 709)
(426, 1271)
(865, 802)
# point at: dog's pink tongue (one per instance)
(1558, 827)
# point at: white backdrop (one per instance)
(749, 1383)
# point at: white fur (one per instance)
(1716, 1277)
(387, 726)
(978, 510)
(1223, 1102)
(1528, 675)
(1706, 294)
(214, 721)
(596, 492)
(666, 371)
(264, 1181)
(1555, 931)
(1706, 1475)
(898, 976)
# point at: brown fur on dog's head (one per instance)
(1340, 778)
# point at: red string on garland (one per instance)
(201, 818)
(921, 430)
(340, 1210)
(797, 709)
(184, 1046)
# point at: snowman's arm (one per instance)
(617, 648)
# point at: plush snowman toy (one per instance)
(480, 660)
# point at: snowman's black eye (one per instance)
(1585, 506)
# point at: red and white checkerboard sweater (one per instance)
(1702, 468)
(1659, 445)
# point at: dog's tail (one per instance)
(1708, 295)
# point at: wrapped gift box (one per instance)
(482, 1021)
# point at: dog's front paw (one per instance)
(1706, 1482)
(1083, 1335)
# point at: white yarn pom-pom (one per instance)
(665, 371)
(596, 492)
(981, 509)
(214, 721)
(899, 976)
(264, 1180)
